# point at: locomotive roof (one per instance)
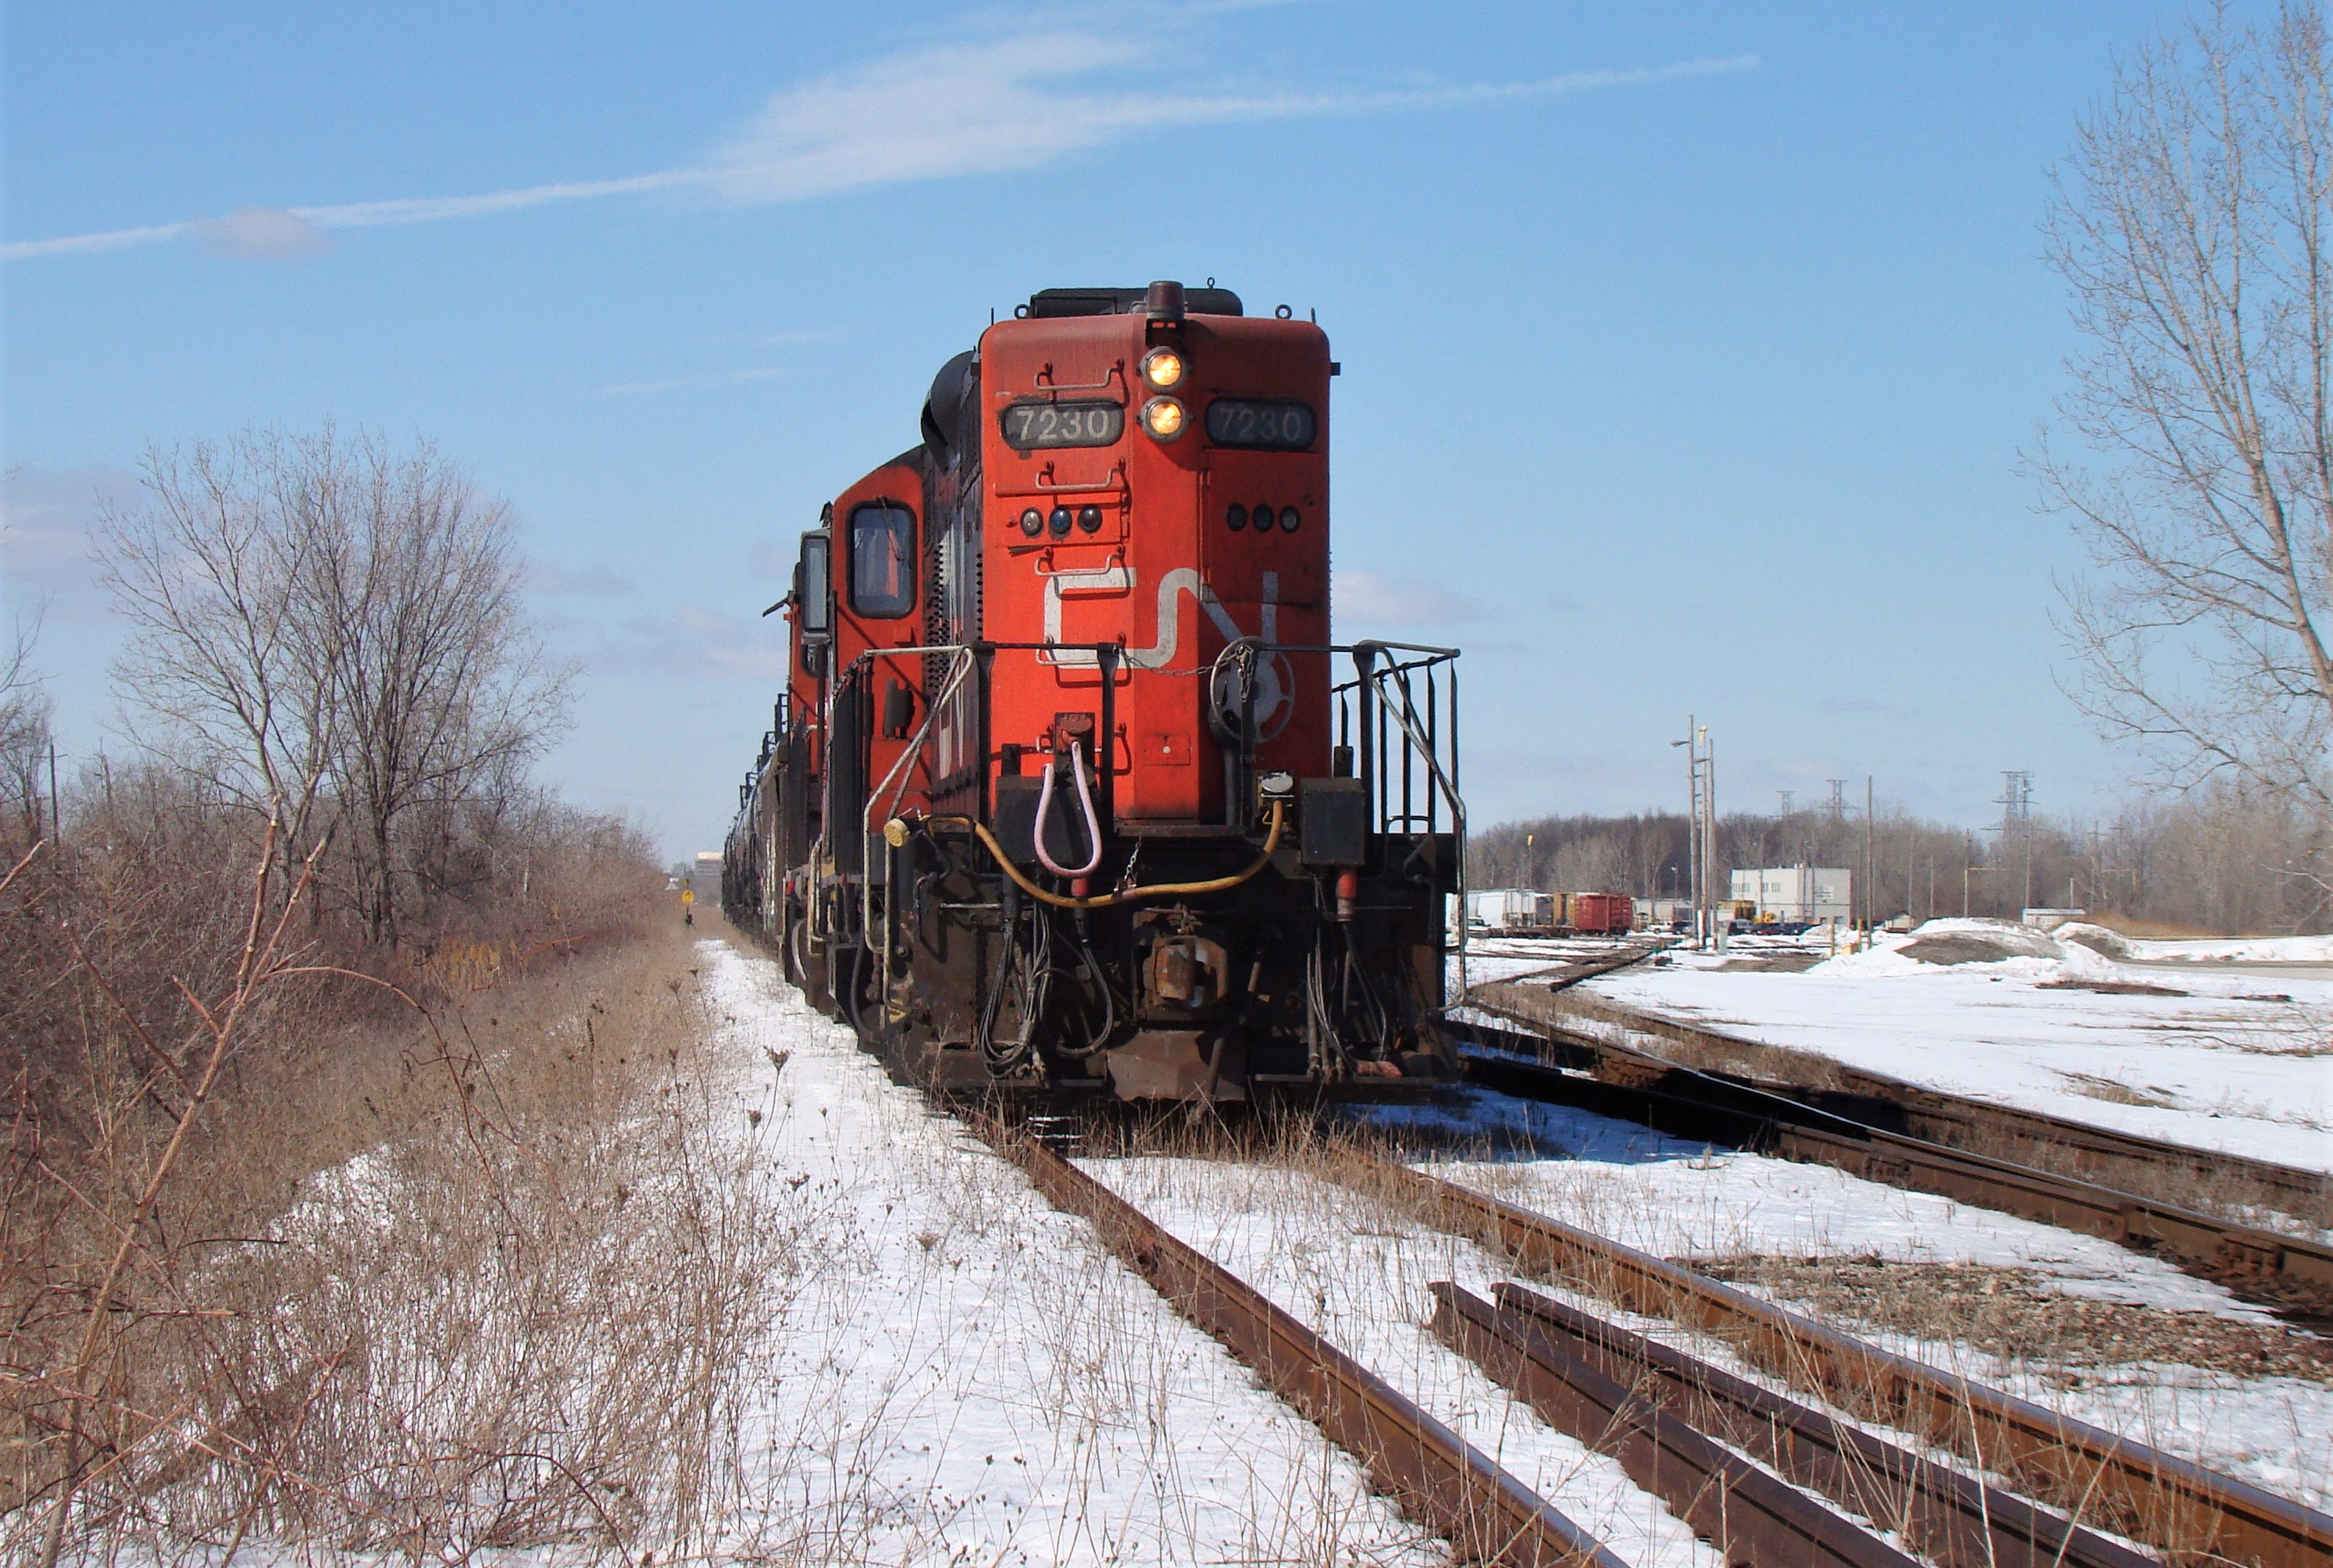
(1206, 301)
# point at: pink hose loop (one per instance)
(1085, 801)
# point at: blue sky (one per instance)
(1688, 349)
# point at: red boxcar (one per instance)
(1601, 913)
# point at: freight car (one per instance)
(1599, 913)
(1069, 792)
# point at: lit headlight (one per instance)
(1163, 417)
(1163, 367)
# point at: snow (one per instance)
(2250, 950)
(2228, 1066)
(1685, 1200)
(963, 1374)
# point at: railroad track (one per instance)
(2188, 1512)
(1753, 1515)
(1597, 1073)
(1897, 1105)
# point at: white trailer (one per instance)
(1808, 892)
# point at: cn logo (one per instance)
(1275, 682)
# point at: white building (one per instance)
(1798, 892)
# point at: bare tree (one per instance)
(444, 685)
(225, 573)
(2190, 221)
(338, 630)
(24, 716)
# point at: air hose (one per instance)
(1084, 801)
(1104, 900)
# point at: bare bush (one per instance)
(414, 1284)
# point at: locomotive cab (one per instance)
(1072, 789)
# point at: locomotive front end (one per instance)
(1102, 806)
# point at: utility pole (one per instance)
(1871, 865)
(1701, 837)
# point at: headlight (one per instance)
(1032, 522)
(1163, 367)
(1163, 417)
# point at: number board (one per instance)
(1033, 424)
(1239, 422)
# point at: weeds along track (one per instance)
(2190, 1206)
(1659, 1409)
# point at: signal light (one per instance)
(1288, 520)
(1163, 417)
(1089, 517)
(1235, 516)
(1163, 367)
(1058, 522)
(1032, 522)
(1262, 521)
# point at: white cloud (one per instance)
(1369, 598)
(1017, 101)
(262, 234)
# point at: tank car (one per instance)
(1069, 791)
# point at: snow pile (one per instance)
(1998, 946)
(2309, 950)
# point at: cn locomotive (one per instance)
(1069, 792)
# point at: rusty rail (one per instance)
(1953, 1520)
(2191, 1513)
(1750, 1516)
(1436, 1477)
(2263, 1265)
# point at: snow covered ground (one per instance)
(963, 1376)
(2244, 1062)
(1683, 1200)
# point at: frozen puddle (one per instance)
(963, 1376)
(1347, 1267)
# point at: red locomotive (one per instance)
(1069, 789)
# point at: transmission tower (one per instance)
(1837, 799)
(1790, 799)
(2016, 804)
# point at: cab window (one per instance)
(811, 585)
(882, 560)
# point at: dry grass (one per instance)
(481, 1282)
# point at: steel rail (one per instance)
(1748, 1514)
(1436, 1477)
(2183, 1508)
(2266, 1265)
(1934, 1115)
(1954, 1519)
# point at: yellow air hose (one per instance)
(1104, 900)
